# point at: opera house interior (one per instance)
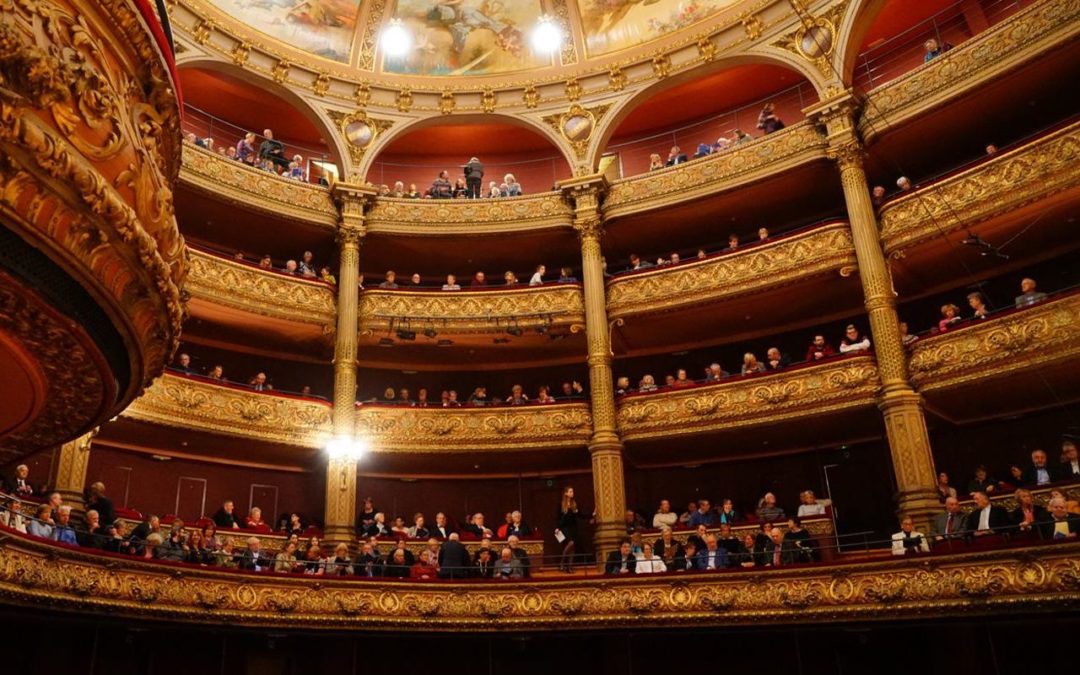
(536, 336)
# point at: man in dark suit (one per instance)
(253, 558)
(19, 483)
(779, 551)
(225, 518)
(474, 174)
(676, 156)
(442, 529)
(454, 560)
(521, 554)
(950, 524)
(477, 527)
(517, 527)
(99, 502)
(986, 518)
(1070, 461)
(621, 561)
(1060, 524)
(1038, 472)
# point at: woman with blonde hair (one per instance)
(750, 364)
(655, 162)
(566, 528)
(513, 188)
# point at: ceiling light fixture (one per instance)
(345, 447)
(547, 36)
(395, 39)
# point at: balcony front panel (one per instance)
(787, 260)
(468, 216)
(261, 191)
(500, 429)
(477, 312)
(803, 391)
(1022, 38)
(798, 144)
(222, 281)
(1033, 172)
(193, 403)
(1037, 578)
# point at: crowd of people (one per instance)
(269, 156)
(768, 122)
(569, 391)
(215, 372)
(479, 280)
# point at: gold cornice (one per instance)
(798, 144)
(1036, 337)
(824, 250)
(1029, 173)
(1038, 578)
(489, 429)
(988, 56)
(178, 401)
(471, 311)
(224, 282)
(258, 190)
(468, 216)
(740, 402)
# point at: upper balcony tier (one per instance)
(468, 216)
(1021, 360)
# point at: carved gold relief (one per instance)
(468, 216)
(826, 249)
(359, 130)
(577, 124)
(740, 402)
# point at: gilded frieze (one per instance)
(998, 347)
(473, 311)
(1041, 578)
(178, 401)
(798, 144)
(258, 190)
(740, 402)
(468, 216)
(1031, 33)
(501, 429)
(1029, 173)
(225, 282)
(823, 250)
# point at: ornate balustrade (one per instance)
(1020, 341)
(225, 282)
(467, 311)
(258, 190)
(1071, 491)
(1024, 37)
(468, 216)
(1032, 172)
(798, 144)
(483, 429)
(821, 250)
(1042, 578)
(801, 391)
(194, 403)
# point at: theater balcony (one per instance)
(714, 421)
(442, 217)
(1020, 360)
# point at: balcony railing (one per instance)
(757, 268)
(468, 216)
(195, 403)
(248, 288)
(993, 187)
(1021, 38)
(259, 190)
(798, 144)
(801, 391)
(479, 429)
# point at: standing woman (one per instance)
(566, 523)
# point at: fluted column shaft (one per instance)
(70, 470)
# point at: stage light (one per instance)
(344, 447)
(547, 36)
(395, 39)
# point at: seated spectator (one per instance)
(477, 527)
(1070, 461)
(254, 519)
(510, 278)
(774, 360)
(633, 521)
(950, 314)
(799, 536)
(779, 551)
(906, 337)
(514, 544)
(768, 511)
(183, 364)
(306, 267)
(174, 547)
(1038, 472)
(704, 515)
(441, 187)
(1060, 524)
(664, 516)
(326, 277)
(655, 162)
(621, 561)
(258, 383)
(944, 490)
(197, 552)
(669, 381)
(751, 365)
(762, 234)
(713, 557)
(648, 383)
(378, 527)
(675, 156)
(934, 49)
(390, 281)
(698, 537)
(516, 527)
(768, 121)
(819, 349)
(904, 183)
(566, 276)
(11, 517)
(42, 524)
(622, 386)
(908, 540)
(493, 191)
(808, 506)
(538, 276)
(728, 515)
(418, 531)
(986, 518)
(19, 483)
(690, 560)
(367, 563)
(513, 188)
(682, 381)
(685, 516)
(978, 306)
(667, 547)
(313, 563)
(479, 397)
(733, 242)
(741, 136)
(62, 531)
(245, 149)
(285, 560)
(982, 482)
(543, 395)
(478, 280)
(573, 390)
(398, 527)
(853, 342)
(91, 534)
(273, 151)
(950, 524)
(150, 546)
(877, 195)
(648, 563)
(451, 283)
(339, 564)
(508, 566)
(296, 168)
(517, 396)
(1027, 513)
(415, 281)
(716, 373)
(397, 567)
(1028, 295)
(224, 516)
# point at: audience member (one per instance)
(1060, 524)
(819, 349)
(1028, 295)
(768, 511)
(621, 561)
(809, 506)
(713, 557)
(853, 342)
(944, 490)
(675, 156)
(1027, 513)
(1038, 472)
(934, 49)
(908, 540)
(986, 518)
(1070, 461)
(768, 121)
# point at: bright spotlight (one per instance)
(343, 447)
(395, 39)
(547, 36)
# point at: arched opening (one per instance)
(223, 107)
(503, 144)
(700, 111)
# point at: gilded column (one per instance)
(340, 509)
(605, 446)
(70, 476)
(900, 404)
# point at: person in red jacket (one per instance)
(819, 349)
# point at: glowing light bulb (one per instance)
(547, 36)
(395, 39)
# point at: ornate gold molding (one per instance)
(1037, 578)
(739, 402)
(1022, 38)
(473, 311)
(468, 216)
(798, 144)
(1036, 337)
(1040, 497)
(1035, 171)
(258, 190)
(823, 250)
(225, 282)
(178, 401)
(488, 429)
